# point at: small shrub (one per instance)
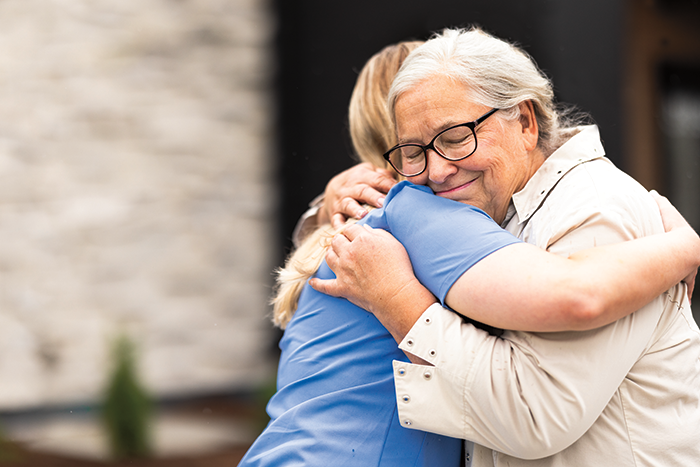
(127, 410)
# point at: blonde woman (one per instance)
(335, 401)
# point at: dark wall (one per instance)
(322, 45)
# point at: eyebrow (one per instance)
(444, 126)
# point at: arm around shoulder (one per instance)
(522, 287)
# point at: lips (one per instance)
(449, 191)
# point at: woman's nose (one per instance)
(438, 168)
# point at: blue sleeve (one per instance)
(443, 238)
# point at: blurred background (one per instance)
(155, 156)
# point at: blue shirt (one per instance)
(335, 402)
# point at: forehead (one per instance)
(433, 105)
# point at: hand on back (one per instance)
(349, 190)
(673, 219)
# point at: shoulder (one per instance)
(598, 204)
(599, 186)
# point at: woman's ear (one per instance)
(528, 121)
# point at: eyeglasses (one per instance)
(454, 144)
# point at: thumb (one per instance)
(338, 221)
(326, 286)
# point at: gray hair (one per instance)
(498, 74)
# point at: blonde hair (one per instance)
(372, 133)
(299, 267)
(371, 125)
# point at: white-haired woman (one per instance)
(476, 122)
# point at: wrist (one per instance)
(691, 241)
(401, 310)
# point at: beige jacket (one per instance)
(626, 394)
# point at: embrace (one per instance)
(514, 302)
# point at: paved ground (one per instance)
(210, 432)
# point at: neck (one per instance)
(537, 158)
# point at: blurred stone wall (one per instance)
(135, 195)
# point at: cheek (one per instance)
(497, 177)
(483, 162)
(421, 179)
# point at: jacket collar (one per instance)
(583, 147)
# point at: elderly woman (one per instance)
(476, 123)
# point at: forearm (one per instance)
(521, 287)
(399, 313)
(592, 288)
(619, 279)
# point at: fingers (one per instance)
(326, 286)
(338, 220)
(331, 286)
(338, 244)
(332, 257)
(349, 207)
(690, 282)
(341, 244)
(389, 173)
(386, 182)
(348, 191)
(669, 214)
(376, 187)
(351, 232)
(661, 201)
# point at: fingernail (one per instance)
(380, 202)
(361, 213)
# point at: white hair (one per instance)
(498, 75)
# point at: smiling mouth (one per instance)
(455, 189)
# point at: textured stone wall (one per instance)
(135, 194)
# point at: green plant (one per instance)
(127, 410)
(8, 450)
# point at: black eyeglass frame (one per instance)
(431, 145)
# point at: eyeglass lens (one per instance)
(453, 144)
